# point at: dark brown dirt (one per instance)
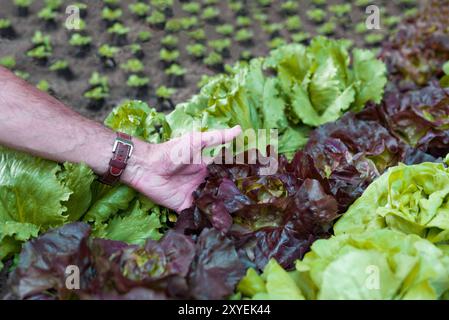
(71, 92)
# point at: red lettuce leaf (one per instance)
(178, 266)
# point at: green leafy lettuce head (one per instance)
(411, 199)
(309, 86)
(378, 264)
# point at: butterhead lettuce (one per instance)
(378, 264)
(411, 199)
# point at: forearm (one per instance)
(36, 123)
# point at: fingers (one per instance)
(218, 137)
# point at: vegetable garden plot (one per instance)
(161, 50)
(361, 183)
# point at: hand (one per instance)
(168, 173)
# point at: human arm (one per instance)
(34, 122)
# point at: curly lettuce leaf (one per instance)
(369, 78)
(115, 199)
(78, 179)
(134, 226)
(30, 191)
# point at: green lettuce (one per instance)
(379, 264)
(411, 199)
(310, 86)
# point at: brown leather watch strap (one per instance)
(121, 152)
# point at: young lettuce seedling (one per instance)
(144, 36)
(111, 3)
(265, 3)
(221, 46)
(327, 28)
(140, 9)
(98, 90)
(170, 41)
(289, 7)
(111, 16)
(82, 8)
(107, 55)
(139, 84)
(214, 60)
(80, 43)
(301, 37)
(165, 6)
(176, 74)
(168, 57)
(198, 35)
(237, 7)
(23, 7)
(41, 49)
(43, 85)
(156, 20)
(191, 7)
(53, 4)
(225, 29)
(62, 68)
(211, 14)
(119, 34)
(273, 29)
(136, 50)
(135, 81)
(22, 74)
(243, 21)
(293, 23)
(6, 29)
(316, 15)
(8, 62)
(164, 95)
(244, 36)
(132, 66)
(48, 15)
(196, 50)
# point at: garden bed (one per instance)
(266, 25)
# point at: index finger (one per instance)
(217, 137)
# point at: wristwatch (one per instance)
(121, 152)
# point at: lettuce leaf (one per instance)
(176, 267)
(293, 89)
(383, 264)
(410, 199)
(320, 82)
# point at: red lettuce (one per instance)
(419, 118)
(415, 54)
(207, 267)
(279, 216)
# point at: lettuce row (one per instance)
(311, 86)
